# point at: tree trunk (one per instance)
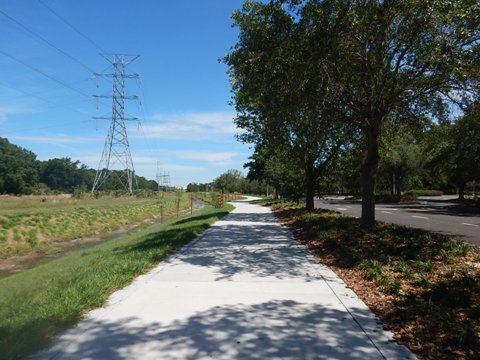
(398, 186)
(369, 173)
(309, 188)
(392, 184)
(275, 194)
(461, 191)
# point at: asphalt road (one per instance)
(433, 214)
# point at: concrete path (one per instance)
(243, 290)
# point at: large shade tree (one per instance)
(300, 64)
(376, 58)
(283, 98)
(394, 54)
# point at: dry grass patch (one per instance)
(30, 224)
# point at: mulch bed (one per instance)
(426, 318)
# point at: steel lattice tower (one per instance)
(116, 165)
(163, 179)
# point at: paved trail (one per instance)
(243, 290)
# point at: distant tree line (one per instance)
(22, 173)
(358, 96)
(232, 181)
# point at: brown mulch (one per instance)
(411, 327)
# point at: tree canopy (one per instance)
(18, 169)
(310, 76)
(21, 173)
(283, 100)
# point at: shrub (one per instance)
(423, 192)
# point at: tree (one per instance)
(465, 149)
(229, 181)
(60, 174)
(343, 175)
(145, 184)
(401, 152)
(453, 151)
(65, 175)
(193, 187)
(436, 146)
(392, 55)
(277, 168)
(21, 173)
(18, 169)
(282, 97)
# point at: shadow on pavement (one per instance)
(451, 210)
(433, 207)
(260, 331)
(250, 244)
(252, 217)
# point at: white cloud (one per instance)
(179, 174)
(182, 168)
(208, 126)
(59, 139)
(142, 163)
(95, 158)
(216, 158)
(143, 160)
(9, 110)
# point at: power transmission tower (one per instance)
(166, 181)
(116, 165)
(159, 176)
(163, 180)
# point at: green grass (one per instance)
(32, 224)
(39, 303)
(430, 282)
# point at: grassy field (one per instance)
(39, 303)
(35, 223)
(425, 287)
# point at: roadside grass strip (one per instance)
(425, 287)
(39, 303)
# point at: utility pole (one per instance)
(116, 152)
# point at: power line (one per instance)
(51, 103)
(37, 94)
(143, 106)
(45, 41)
(27, 94)
(43, 73)
(163, 179)
(71, 26)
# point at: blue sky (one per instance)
(185, 116)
